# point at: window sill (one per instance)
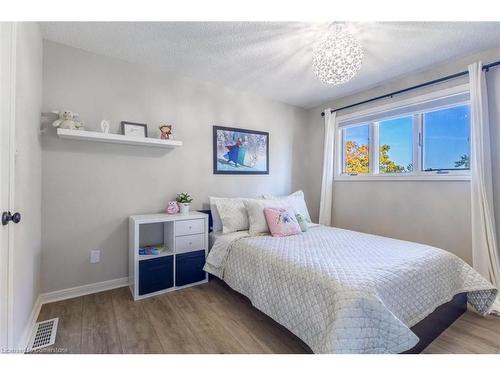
(416, 177)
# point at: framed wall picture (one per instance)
(240, 151)
(133, 129)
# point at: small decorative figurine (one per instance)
(165, 131)
(105, 126)
(68, 120)
(172, 207)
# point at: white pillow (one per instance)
(233, 214)
(256, 218)
(296, 201)
(216, 221)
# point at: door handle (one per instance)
(7, 216)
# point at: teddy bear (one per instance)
(68, 120)
(165, 131)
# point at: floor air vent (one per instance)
(44, 334)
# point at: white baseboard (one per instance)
(63, 294)
(83, 290)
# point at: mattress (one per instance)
(342, 291)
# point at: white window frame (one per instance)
(417, 174)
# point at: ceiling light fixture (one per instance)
(337, 58)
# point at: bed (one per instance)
(348, 292)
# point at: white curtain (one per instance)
(325, 205)
(484, 242)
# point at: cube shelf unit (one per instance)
(181, 265)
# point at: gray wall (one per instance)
(436, 213)
(28, 192)
(90, 189)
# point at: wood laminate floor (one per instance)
(209, 318)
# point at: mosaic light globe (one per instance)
(337, 58)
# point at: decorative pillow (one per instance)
(281, 221)
(296, 201)
(255, 209)
(233, 214)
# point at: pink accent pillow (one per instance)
(281, 221)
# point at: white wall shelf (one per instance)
(82, 135)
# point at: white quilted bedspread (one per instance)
(342, 291)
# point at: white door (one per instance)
(7, 146)
(20, 163)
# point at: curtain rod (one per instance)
(390, 95)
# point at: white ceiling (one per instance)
(274, 58)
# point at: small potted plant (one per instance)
(184, 200)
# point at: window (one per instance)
(396, 145)
(446, 139)
(426, 139)
(356, 149)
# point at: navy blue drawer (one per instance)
(156, 274)
(189, 267)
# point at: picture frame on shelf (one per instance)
(134, 129)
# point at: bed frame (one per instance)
(436, 323)
(428, 329)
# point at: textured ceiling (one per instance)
(273, 59)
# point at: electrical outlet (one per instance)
(95, 256)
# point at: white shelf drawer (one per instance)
(186, 227)
(189, 243)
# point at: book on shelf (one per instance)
(152, 249)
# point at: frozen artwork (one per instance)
(240, 151)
